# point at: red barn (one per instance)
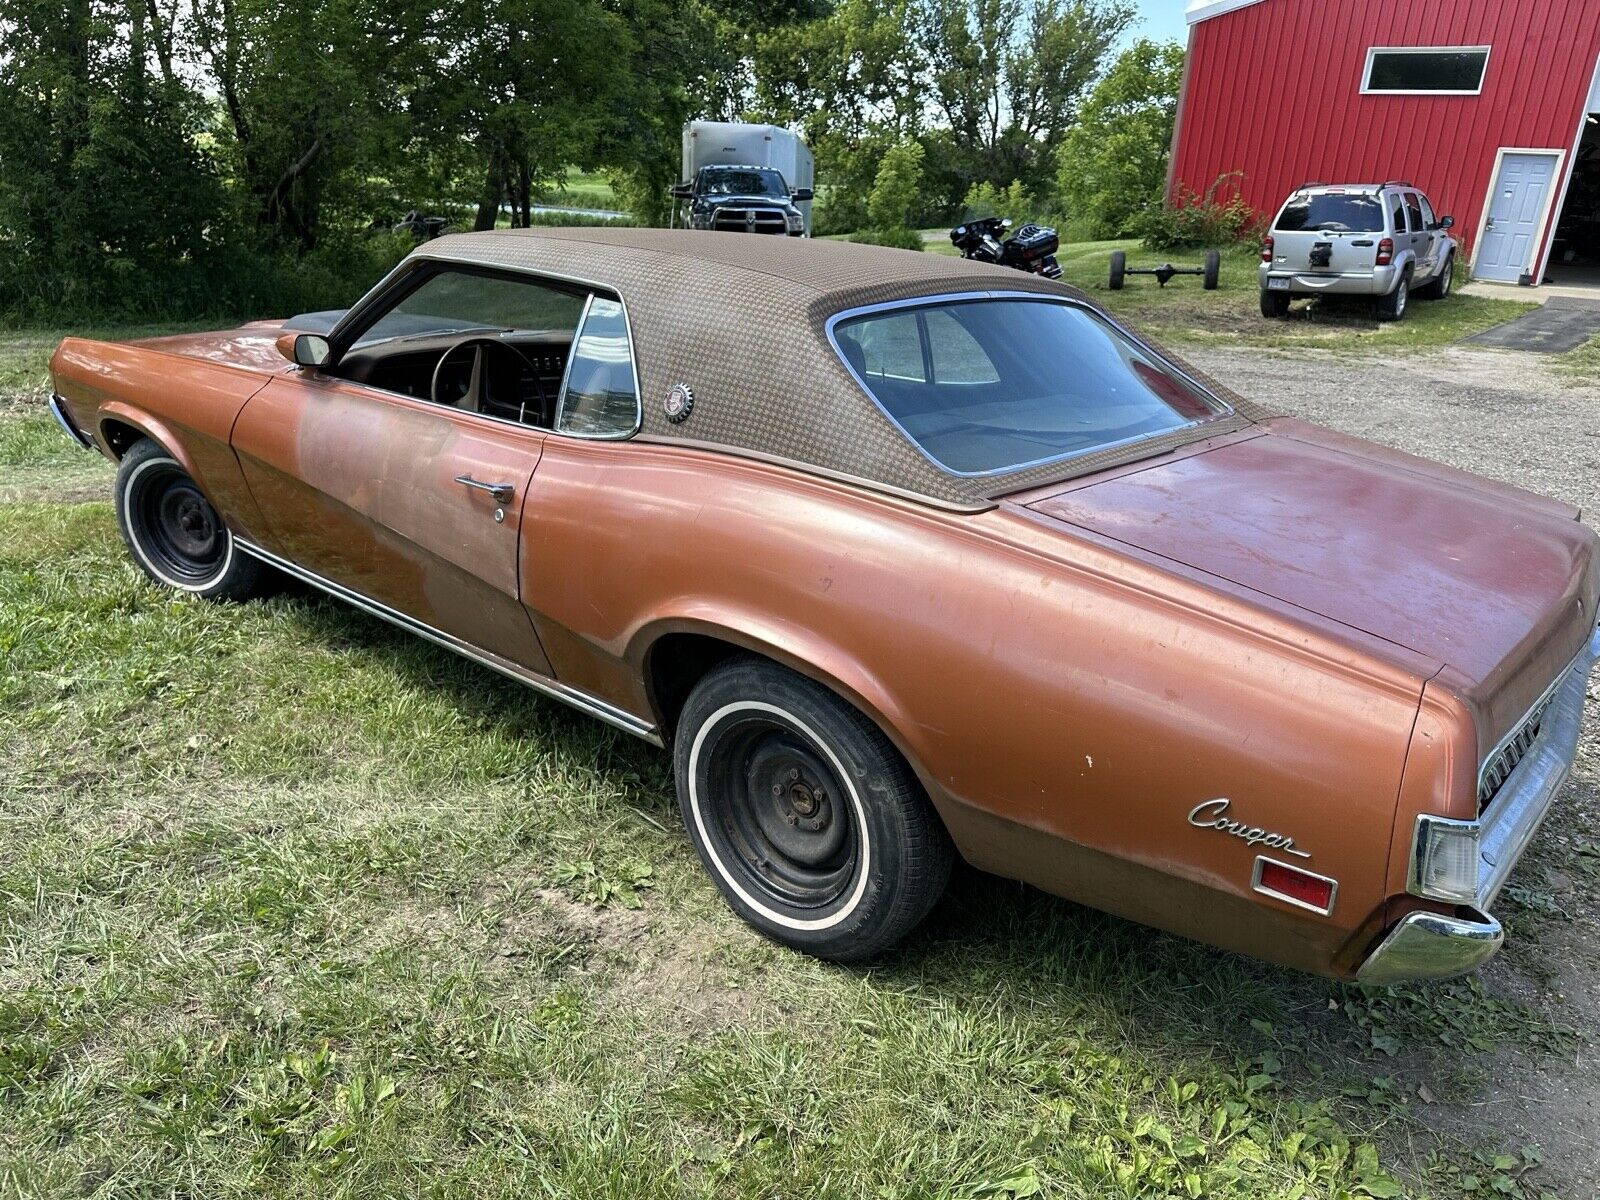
(1490, 106)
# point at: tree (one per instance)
(1113, 164)
(1006, 76)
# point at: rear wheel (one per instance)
(809, 822)
(1274, 304)
(1393, 306)
(1439, 287)
(174, 534)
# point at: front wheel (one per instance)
(174, 534)
(810, 823)
(1439, 287)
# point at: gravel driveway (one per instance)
(1507, 415)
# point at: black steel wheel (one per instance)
(810, 823)
(1119, 266)
(178, 539)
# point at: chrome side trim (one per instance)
(1426, 945)
(72, 431)
(582, 701)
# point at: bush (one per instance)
(896, 187)
(1196, 221)
(1112, 165)
(897, 236)
(1014, 203)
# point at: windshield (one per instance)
(1336, 212)
(455, 302)
(987, 386)
(741, 181)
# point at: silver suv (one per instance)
(1356, 239)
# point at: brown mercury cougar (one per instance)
(902, 557)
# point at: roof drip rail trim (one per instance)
(1204, 10)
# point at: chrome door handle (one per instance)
(502, 492)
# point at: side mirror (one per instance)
(802, 194)
(682, 191)
(304, 349)
(1446, 222)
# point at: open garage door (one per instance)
(1575, 249)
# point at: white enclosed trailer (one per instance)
(734, 143)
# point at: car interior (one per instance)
(519, 372)
(548, 355)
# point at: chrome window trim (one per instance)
(356, 318)
(947, 298)
(1257, 886)
(580, 700)
(633, 369)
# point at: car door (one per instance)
(405, 483)
(1435, 236)
(377, 493)
(1417, 237)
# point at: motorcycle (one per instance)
(1031, 248)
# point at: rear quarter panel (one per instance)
(1066, 706)
(187, 404)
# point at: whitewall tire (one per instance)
(806, 817)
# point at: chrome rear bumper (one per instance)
(1427, 945)
(59, 412)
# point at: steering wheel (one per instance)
(471, 398)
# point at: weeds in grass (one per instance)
(293, 904)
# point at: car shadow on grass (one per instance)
(1001, 950)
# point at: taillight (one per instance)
(1266, 250)
(1385, 252)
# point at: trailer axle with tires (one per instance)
(1120, 270)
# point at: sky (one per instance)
(1160, 20)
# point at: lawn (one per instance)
(1184, 312)
(292, 904)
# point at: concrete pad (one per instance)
(1562, 324)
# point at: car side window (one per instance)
(1414, 211)
(1428, 221)
(1399, 215)
(601, 398)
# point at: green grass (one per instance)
(584, 189)
(1185, 312)
(1582, 365)
(294, 904)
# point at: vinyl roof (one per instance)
(741, 320)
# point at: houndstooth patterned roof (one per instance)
(741, 319)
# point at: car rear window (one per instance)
(993, 385)
(1333, 211)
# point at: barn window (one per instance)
(1447, 70)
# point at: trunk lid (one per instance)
(1494, 582)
